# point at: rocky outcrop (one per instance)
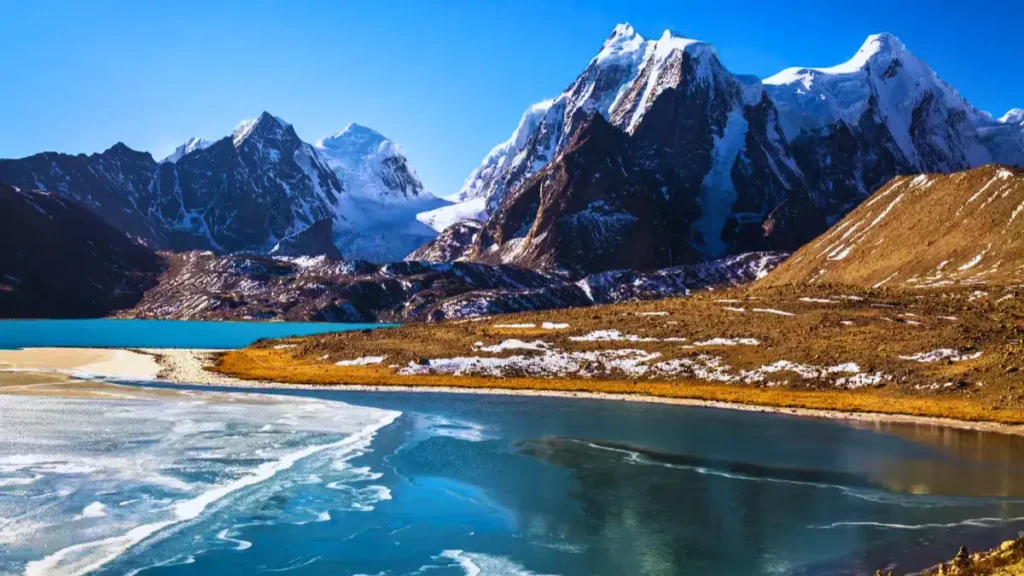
(450, 245)
(599, 206)
(60, 260)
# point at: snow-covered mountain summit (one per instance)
(248, 190)
(620, 83)
(934, 127)
(191, 145)
(770, 164)
(1013, 116)
(370, 164)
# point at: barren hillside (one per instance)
(922, 231)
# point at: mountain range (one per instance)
(739, 163)
(655, 156)
(247, 191)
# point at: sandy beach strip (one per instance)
(188, 366)
(102, 362)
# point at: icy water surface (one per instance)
(165, 480)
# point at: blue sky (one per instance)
(447, 80)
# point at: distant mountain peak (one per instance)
(623, 41)
(265, 120)
(876, 47)
(1013, 116)
(191, 145)
(355, 138)
(672, 41)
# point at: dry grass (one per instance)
(960, 228)
(885, 325)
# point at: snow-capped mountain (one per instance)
(370, 164)
(1013, 116)
(190, 146)
(248, 191)
(383, 196)
(769, 164)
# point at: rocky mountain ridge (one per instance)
(247, 191)
(768, 164)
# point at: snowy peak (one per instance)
(623, 41)
(355, 141)
(370, 165)
(1013, 116)
(670, 41)
(191, 145)
(876, 46)
(263, 127)
(878, 50)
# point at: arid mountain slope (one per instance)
(923, 231)
(60, 260)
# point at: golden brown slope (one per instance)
(927, 354)
(922, 231)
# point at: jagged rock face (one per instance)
(595, 208)
(317, 240)
(450, 244)
(925, 231)
(62, 261)
(239, 193)
(246, 192)
(770, 163)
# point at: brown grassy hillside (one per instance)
(922, 231)
(875, 351)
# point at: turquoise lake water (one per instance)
(201, 480)
(155, 333)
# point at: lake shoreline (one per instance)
(190, 367)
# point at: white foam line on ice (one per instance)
(108, 549)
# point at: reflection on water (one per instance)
(964, 462)
(458, 485)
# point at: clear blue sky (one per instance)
(447, 80)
